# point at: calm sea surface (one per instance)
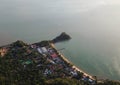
(94, 26)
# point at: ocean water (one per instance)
(93, 26)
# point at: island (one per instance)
(61, 38)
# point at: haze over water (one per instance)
(94, 26)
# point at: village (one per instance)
(60, 66)
(47, 58)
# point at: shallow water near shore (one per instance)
(93, 26)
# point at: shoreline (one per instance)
(74, 66)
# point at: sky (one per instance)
(89, 18)
(28, 10)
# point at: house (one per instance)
(3, 51)
(51, 61)
(39, 50)
(90, 80)
(47, 72)
(85, 78)
(50, 50)
(33, 46)
(42, 50)
(39, 65)
(74, 73)
(54, 55)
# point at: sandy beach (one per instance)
(66, 60)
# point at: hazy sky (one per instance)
(89, 18)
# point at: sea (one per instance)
(94, 26)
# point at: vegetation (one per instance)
(109, 82)
(13, 73)
(62, 37)
(43, 43)
(63, 81)
(19, 43)
(19, 67)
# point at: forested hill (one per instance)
(38, 64)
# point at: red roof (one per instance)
(54, 55)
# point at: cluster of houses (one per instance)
(55, 62)
(58, 66)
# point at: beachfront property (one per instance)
(59, 65)
(49, 60)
